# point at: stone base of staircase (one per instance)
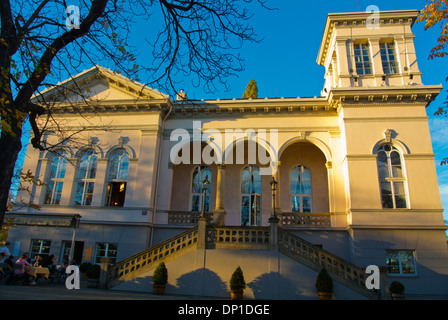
(268, 274)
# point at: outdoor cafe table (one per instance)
(35, 271)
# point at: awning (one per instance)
(45, 220)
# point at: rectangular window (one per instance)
(84, 193)
(362, 59)
(388, 58)
(401, 262)
(105, 250)
(53, 192)
(40, 247)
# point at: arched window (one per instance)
(391, 177)
(85, 178)
(117, 175)
(55, 179)
(301, 198)
(197, 194)
(251, 196)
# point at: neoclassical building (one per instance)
(354, 167)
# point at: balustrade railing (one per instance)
(317, 258)
(211, 236)
(147, 259)
(186, 217)
(237, 237)
(297, 219)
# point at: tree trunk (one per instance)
(10, 147)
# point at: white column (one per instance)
(219, 212)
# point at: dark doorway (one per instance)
(77, 254)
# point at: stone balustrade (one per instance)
(303, 220)
(149, 258)
(316, 258)
(211, 236)
(254, 238)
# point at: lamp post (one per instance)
(205, 185)
(273, 189)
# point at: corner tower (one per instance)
(369, 50)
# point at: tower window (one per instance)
(362, 59)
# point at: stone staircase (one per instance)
(209, 237)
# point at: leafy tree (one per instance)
(251, 90)
(43, 42)
(435, 13)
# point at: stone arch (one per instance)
(300, 152)
(188, 142)
(315, 141)
(403, 148)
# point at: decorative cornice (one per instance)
(358, 20)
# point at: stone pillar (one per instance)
(104, 273)
(377, 62)
(202, 232)
(219, 212)
(273, 233)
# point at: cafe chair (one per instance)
(19, 277)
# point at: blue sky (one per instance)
(284, 63)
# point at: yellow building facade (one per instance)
(355, 173)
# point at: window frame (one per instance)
(400, 262)
(41, 246)
(300, 195)
(363, 63)
(92, 157)
(386, 63)
(391, 179)
(107, 250)
(201, 169)
(51, 193)
(117, 178)
(255, 197)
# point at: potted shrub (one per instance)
(397, 290)
(160, 279)
(83, 269)
(93, 274)
(237, 284)
(324, 285)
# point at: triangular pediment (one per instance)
(98, 84)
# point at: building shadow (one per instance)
(202, 282)
(275, 286)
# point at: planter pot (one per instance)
(325, 295)
(398, 296)
(92, 283)
(158, 289)
(236, 294)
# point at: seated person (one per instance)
(8, 269)
(19, 268)
(49, 262)
(37, 261)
